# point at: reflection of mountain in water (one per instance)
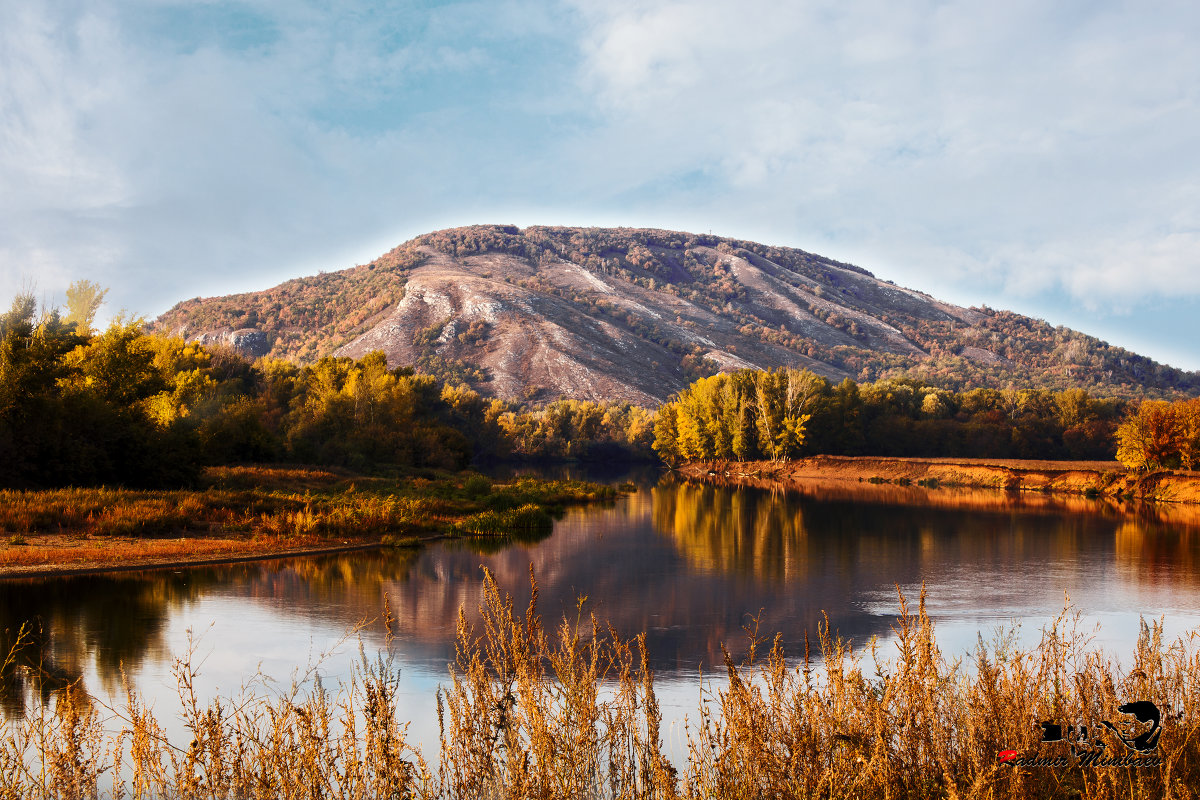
(641, 580)
(687, 563)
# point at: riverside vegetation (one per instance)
(569, 711)
(152, 423)
(248, 510)
(125, 407)
(783, 414)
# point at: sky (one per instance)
(1035, 156)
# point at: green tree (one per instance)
(118, 365)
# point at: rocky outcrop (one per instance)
(250, 342)
(542, 341)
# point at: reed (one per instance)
(528, 517)
(570, 712)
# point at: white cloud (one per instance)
(971, 150)
(1030, 146)
(48, 96)
(167, 168)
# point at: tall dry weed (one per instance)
(923, 726)
(528, 714)
(571, 712)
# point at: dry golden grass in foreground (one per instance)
(570, 712)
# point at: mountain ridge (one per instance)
(634, 314)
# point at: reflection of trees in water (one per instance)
(1159, 555)
(107, 621)
(736, 530)
(103, 620)
(685, 562)
(783, 535)
(839, 551)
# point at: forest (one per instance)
(788, 413)
(123, 406)
(128, 407)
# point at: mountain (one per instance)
(633, 315)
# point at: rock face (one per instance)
(634, 315)
(250, 342)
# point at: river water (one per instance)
(690, 564)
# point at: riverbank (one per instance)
(1090, 478)
(242, 513)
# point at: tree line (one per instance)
(125, 406)
(789, 413)
(80, 407)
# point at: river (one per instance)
(690, 564)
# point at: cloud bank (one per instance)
(1030, 155)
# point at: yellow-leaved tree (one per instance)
(1160, 435)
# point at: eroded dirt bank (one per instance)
(1093, 478)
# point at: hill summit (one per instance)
(634, 315)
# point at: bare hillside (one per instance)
(634, 315)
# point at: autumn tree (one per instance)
(83, 301)
(741, 415)
(1188, 413)
(1150, 437)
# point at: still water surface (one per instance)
(685, 562)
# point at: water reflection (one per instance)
(85, 623)
(688, 563)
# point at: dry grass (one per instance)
(248, 510)
(121, 512)
(92, 554)
(570, 712)
(919, 726)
